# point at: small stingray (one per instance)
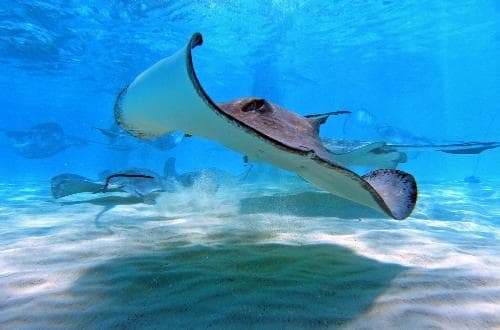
(168, 97)
(211, 178)
(404, 141)
(43, 140)
(135, 182)
(388, 155)
(141, 183)
(368, 154)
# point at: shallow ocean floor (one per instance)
(253, 256)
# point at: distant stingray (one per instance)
(388, 155)
(390, 145)
(138, 183)
(43, 140)
(141, 183)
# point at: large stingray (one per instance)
(168, 97)
(43, 140)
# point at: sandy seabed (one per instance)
(258, 256)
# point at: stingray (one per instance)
(404, 141)
(367, 154)
(43, 140)
(169, 97)
(141, 183)
(137, 183)
(390, 155)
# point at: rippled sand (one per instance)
(256, 256)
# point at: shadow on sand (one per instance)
(229, 285)
(308, 204)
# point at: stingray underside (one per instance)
(168, 97)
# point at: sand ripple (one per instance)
(289, 258)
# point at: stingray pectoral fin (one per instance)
(69, 184)
(390, 191)
(397, 188)
(164, 98)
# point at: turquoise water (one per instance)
(235, 244)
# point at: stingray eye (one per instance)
(259, 105)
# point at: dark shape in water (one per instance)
(472, 179)
(368, 154)
(168, 97)
(43, 140)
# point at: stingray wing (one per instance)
(69, 184)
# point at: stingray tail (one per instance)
(69, 184)
(397, 188)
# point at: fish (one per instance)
(168, 97)
(43, 140)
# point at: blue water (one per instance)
(274, 251)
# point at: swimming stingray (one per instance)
(120, 140)
(43, 140)
(136, 182)
(142, 183)
(208, 176)
(168, 97)
(395, 138)
(390, 155)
